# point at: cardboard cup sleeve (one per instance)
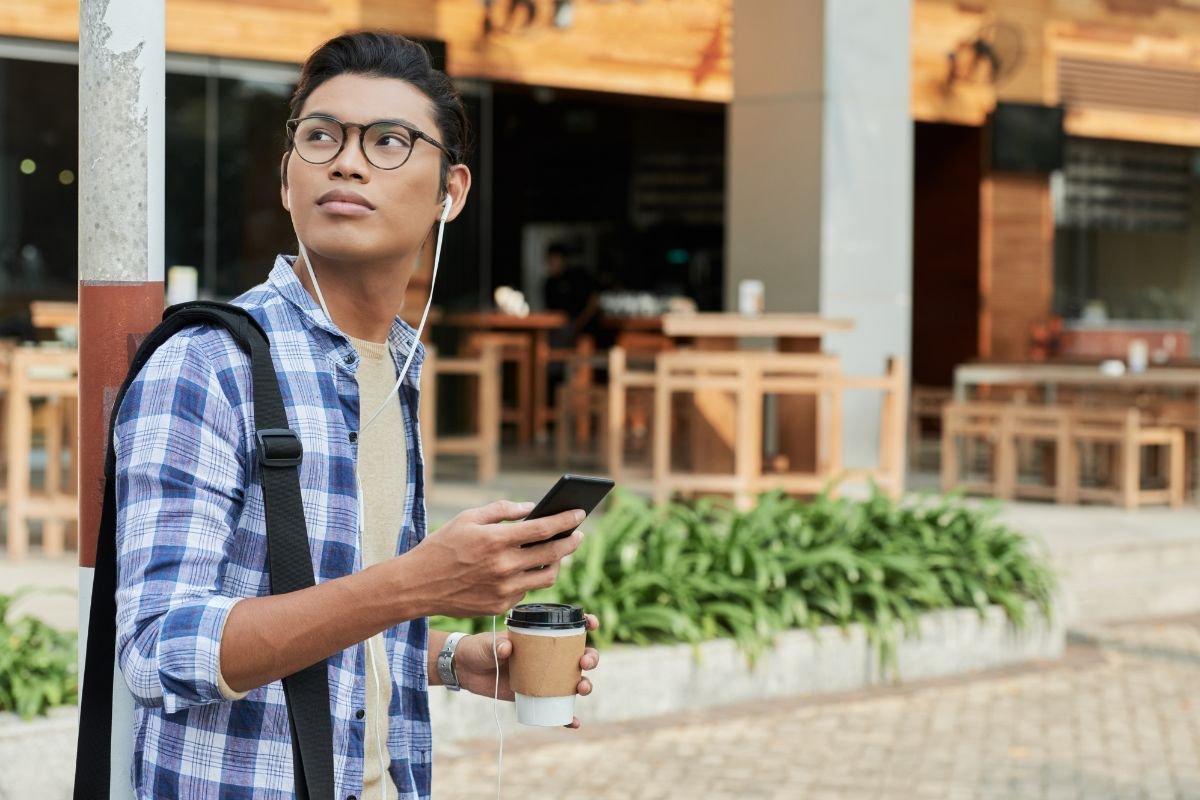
(545, 666)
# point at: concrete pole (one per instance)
(122, 54)
(820, 178)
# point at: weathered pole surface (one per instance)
(122, 80)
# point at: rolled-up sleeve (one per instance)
(180, 490)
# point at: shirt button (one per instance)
(349, 359)
(351, 797)
(359, 714)
(353, 437)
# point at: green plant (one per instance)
(37, 663)
(687, 573)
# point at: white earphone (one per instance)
(447, 204)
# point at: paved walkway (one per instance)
(1118, 718)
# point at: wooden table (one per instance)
(1050, 376)
(712, 440)
(54, 314)
(52, 373)
(537, 327)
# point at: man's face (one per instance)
(350, 210)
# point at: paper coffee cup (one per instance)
(548, 640)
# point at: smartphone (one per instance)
(571, 491)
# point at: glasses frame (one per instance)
(292, 124)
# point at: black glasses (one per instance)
(387, 144)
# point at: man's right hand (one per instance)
(475, 565)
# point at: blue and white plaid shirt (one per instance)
(191, 541)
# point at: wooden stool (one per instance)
(1032, 425)
(512, 348)
(969, 423)
(1122, 429)
(484, 443)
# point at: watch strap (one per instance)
(445, 662)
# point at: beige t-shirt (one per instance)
(382, 470)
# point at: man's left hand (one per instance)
(476, 666)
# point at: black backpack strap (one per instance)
(288, 560)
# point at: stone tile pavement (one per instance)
(1117, 719)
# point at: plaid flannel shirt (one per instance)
(191, 541)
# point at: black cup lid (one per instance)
(546, 615)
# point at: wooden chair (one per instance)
(630, 398)
(925, 406)
(52, 374)
(746, 376)
(976, 423)
(484, 443)
(579, 378)
(1123, 431)
(1182, 413)
(581, 408)
(1034, 430)
(693, 371)
(54, 314)
(889, 473)
(512, 348)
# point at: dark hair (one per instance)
(556, 249)
(387, 55)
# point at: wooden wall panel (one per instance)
(256, 30)
(1144, 34)
(1016, 263)
(655, 47)
(57, 20)
(664, 48)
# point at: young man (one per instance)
(376, 145)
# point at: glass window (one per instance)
(38, 152)
(225, 140)
(1127, 245)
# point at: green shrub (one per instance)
(687, 573)
(37, 663)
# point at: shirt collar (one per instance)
(401, 338)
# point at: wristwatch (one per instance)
(445, 662)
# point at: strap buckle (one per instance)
(279, 447)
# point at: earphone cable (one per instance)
(496, 711)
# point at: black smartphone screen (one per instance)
(571, 491)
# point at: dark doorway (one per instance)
(947, 171)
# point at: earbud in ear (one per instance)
(446, 205)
